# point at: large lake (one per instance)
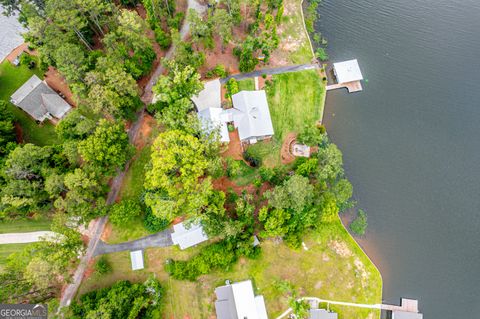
(411, 143)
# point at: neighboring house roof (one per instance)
(347, 71)
(321, 314)
(237, 301)
(37, 99)
(137, 259)
(209, 97)
(406, 315)
(188, 236)
(251, 114)
(213, 118)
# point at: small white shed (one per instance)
(137, 259)
(347, 71)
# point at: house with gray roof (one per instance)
(40, 102)
(322, 314)
(186, 235)
(237, 301)
(251, 116)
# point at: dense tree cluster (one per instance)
(122, 300)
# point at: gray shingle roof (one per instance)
(322, 314)
(37, 99)
(251, 114)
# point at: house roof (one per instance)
(251, 114)
(406, 315)
(37, 99)
(237, 301)
(321, 314)
(213, 118)
(209, 97)
(347, 71)
(137, 259)
(188, 236)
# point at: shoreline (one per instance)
(321, 121)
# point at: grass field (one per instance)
(8, 249)
(11, 78)
(333, 267)
(294, 99)
(293, 36)
(25, 225)
(246, 85)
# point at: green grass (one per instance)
(11, 78)
(132, 231)
(25, 225)
(295, 99)
(246, 85)
(244, 175)
(333, 267)
(132, 187)
(8, 249)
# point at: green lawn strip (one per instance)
(334, 267)
(8, 249)
(292, 30)
(245, 175)
(268, 151)
(295, 99)
(132, 187)
(11, 78)
(25, 225)
(246, 85)
(132, 231)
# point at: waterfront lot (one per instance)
(333, 267)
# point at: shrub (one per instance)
(25, 59)
(252, 159)
(311, 135)
(359, 225)
(264, 76)
(102, 266)
(321, 54)
(154, 224)
(231, 127)
(232, 88)
(124, 212)
(233, 167)
(163, 39)
(176, 21)
(266, 174)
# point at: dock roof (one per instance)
(347, 71)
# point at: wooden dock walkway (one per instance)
(355, 86)
(406, 305)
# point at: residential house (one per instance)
(237, 301)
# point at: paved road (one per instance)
(282, 69)
(21, 238)
(99, 224)
(161, 239)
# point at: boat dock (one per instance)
(352, 87)
(406, 305)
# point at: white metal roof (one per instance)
(210, 96)
(237, 301)
(213, 118)
(251, 114)
(188, 237)
(137, 259)
(347, 71)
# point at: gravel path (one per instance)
(22, 238)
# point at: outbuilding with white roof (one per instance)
(237, 301)
(347, 71)
(137, 259)
(188, 235)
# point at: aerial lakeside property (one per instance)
(183, 172)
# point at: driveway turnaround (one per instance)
(161, 239)
(23, 238)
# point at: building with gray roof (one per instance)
(322, 314)
(406, 315)
(237, 301)
(37, 99)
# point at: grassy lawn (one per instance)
(25, 225)
(294, 99)
(333, 267)
(11, 78)
(246, 85)
(8, 249)
(293, 36)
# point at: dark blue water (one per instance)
(411, 143)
